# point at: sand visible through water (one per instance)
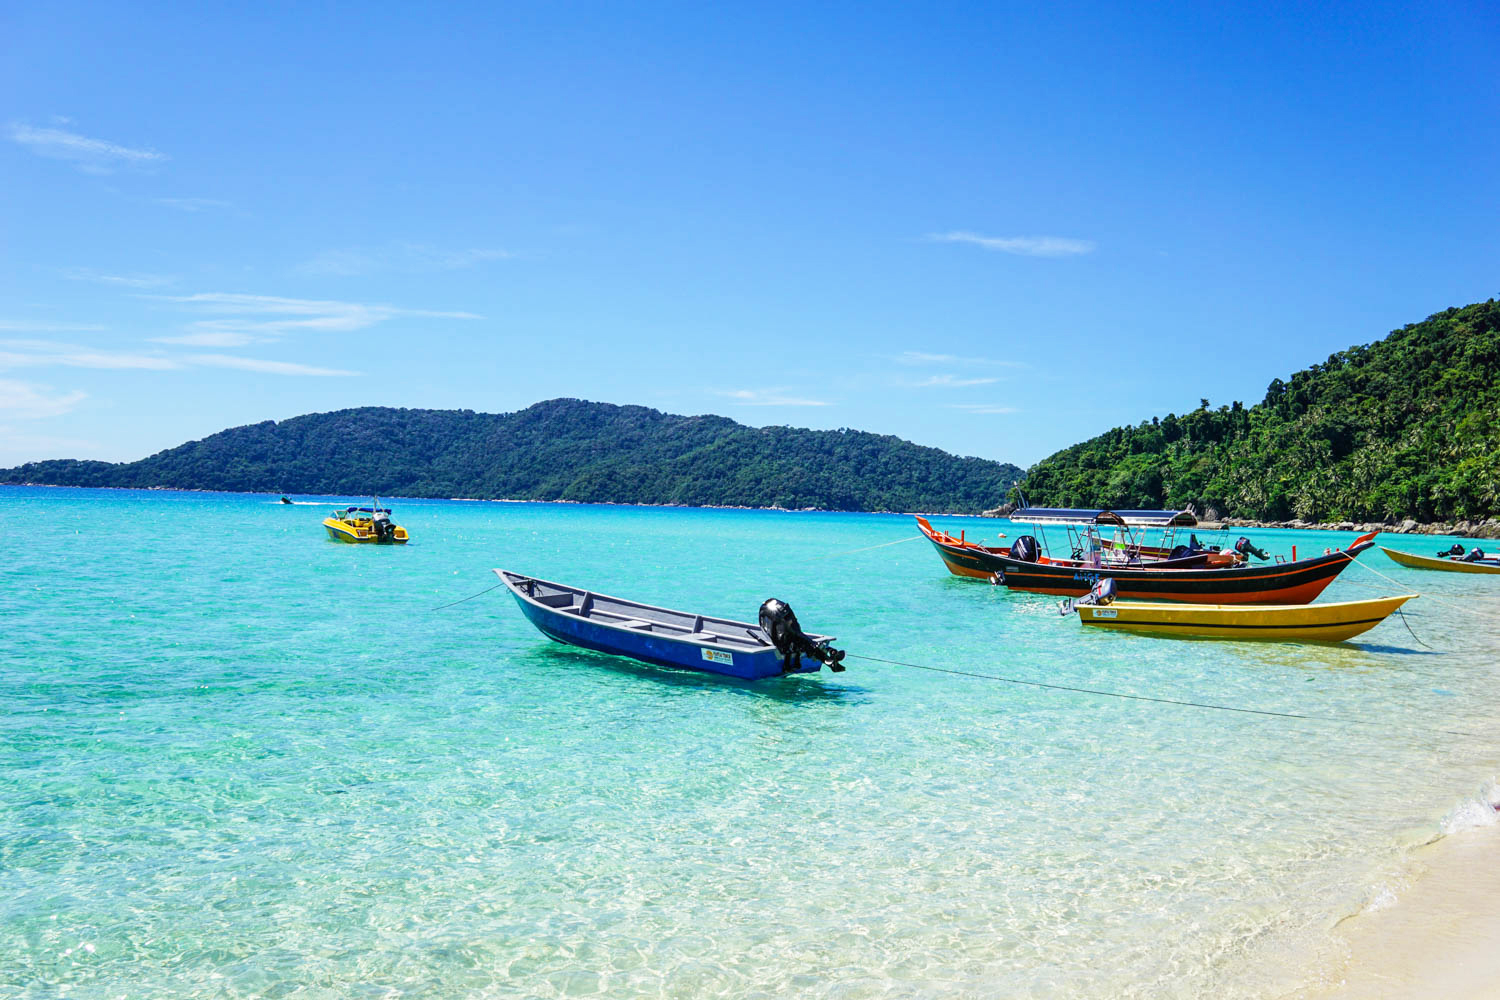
(240, 760)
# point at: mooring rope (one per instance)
(867, 548)
(470, 597)
(1383, 591)
(1143, 697)
(1439, 600)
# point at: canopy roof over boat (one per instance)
(1113, 518)
(368, 510)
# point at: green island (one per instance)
(560, 449)
(1406, 427)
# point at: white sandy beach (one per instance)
(1439, 938)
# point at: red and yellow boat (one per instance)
(962, 557)
(1231, 581)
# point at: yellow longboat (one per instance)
(1333, 622)
(367, 525)
(1446, 563)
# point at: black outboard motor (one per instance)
(1456, 550)
(1102, 594)
(1247, 548)
(780, 625)
(1196, 546)
(1024, 549)
(384, 529)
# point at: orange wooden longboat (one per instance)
(1296, 582)
(963, 558)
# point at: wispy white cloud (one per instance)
(263, 365)
(1025, 246)
(34, 401)
(983, 408)
(397, 257)
(119, 280)
(94, 155)
(50, 354)
(767, 397)
(249, 319)
(921, 358)
(209, 338)
(952, 381)
(28, 326)
(193, 204)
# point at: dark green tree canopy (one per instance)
(561, 449)
(1408, 426)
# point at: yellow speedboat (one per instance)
(1333, 622)
(369, 525)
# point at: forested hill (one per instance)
(562, 449)
(1408, 426)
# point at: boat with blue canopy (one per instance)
(1110, 543)
(1095, 538)
(773, 646)
(1106, 517)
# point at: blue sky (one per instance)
(997, 229)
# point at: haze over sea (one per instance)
(239, 760)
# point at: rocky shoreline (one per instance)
(1463, 529)
(1489, 528)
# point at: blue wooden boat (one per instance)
(774, 646)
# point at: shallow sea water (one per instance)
(240, 760)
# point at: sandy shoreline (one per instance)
(1439, 937)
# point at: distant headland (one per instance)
(560, 449)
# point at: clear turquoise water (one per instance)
(239, 760)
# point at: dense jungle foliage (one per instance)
(1408, 426)
(562, 449)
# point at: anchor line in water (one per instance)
(470, 597)
(1408, 628)
(1144, 697)
(1399, 611)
